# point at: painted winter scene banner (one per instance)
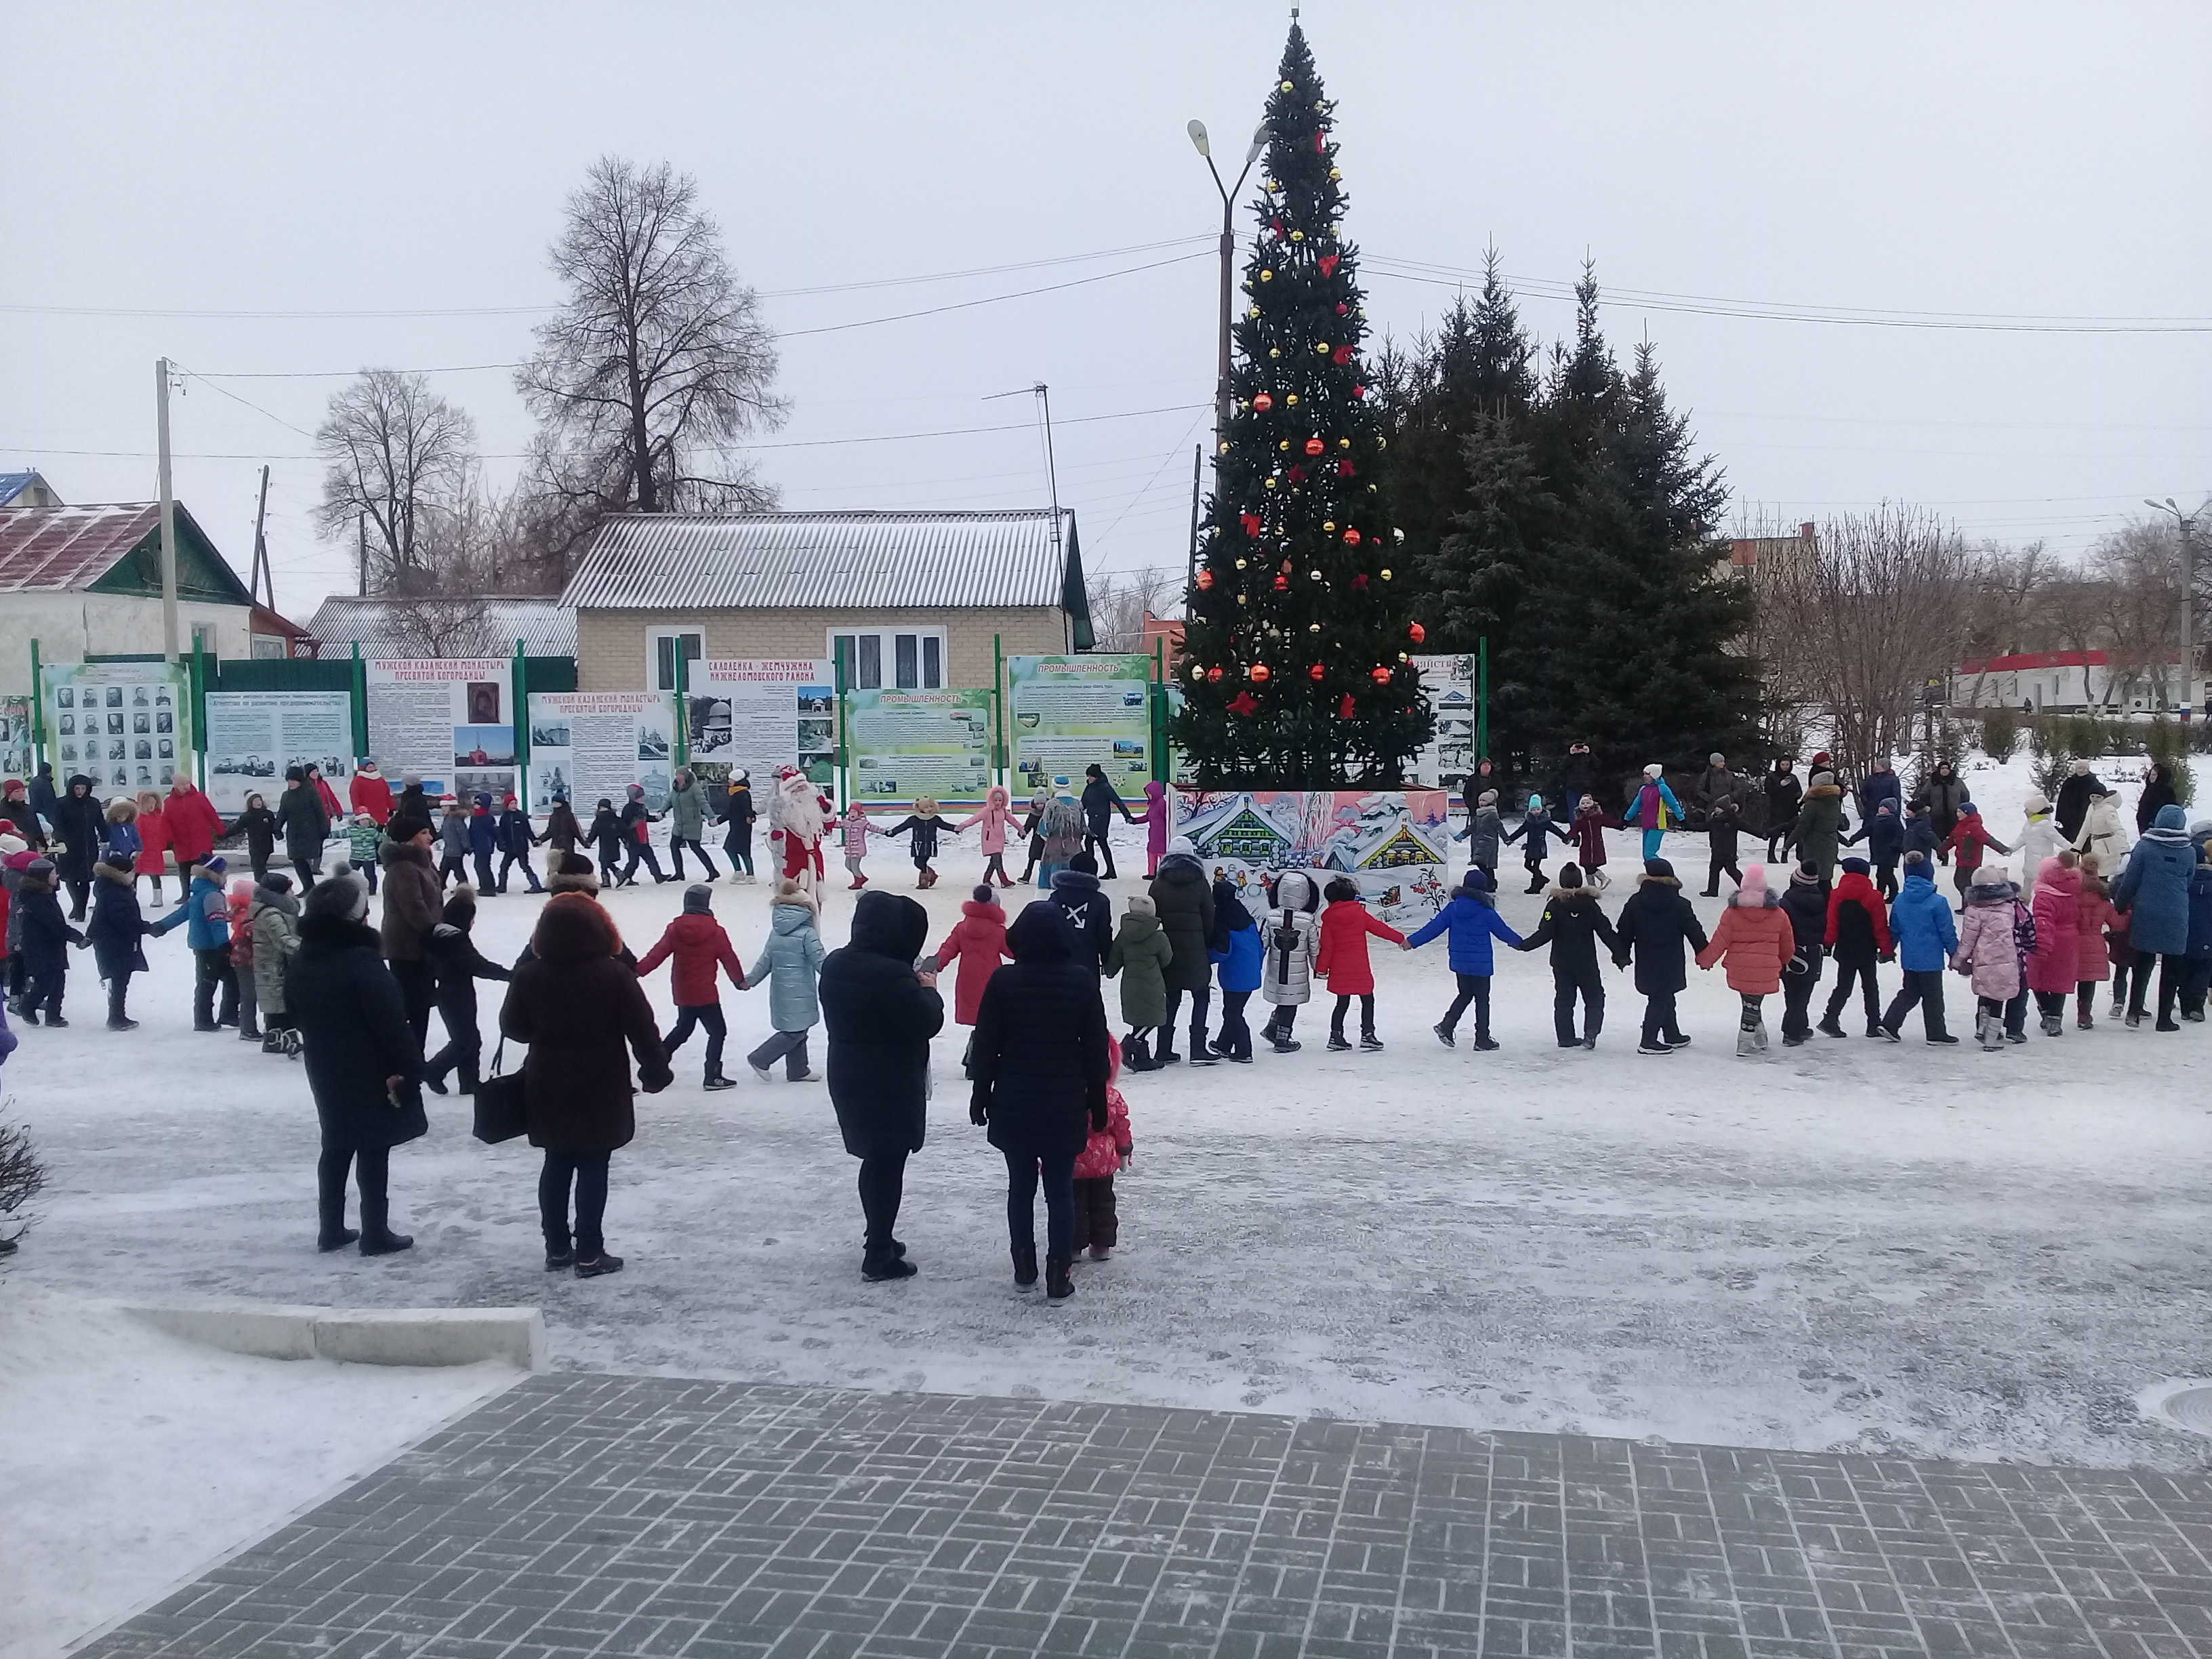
(1396, 844)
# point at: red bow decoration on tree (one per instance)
(1278, 229)
(1296, 474)
(1359, 582)
(1347, 709)
(1251, 523)
(1320, 143)
(1243, 703)
(1342, 355)
(1328, 265)
(1344, 469)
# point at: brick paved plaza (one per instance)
(585, 1514)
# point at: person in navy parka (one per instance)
(2153, 890)
(1921, 928)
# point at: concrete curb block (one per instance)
(361, 1336)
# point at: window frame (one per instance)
(679, 631)
(933, 648)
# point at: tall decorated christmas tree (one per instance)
(1300, 625)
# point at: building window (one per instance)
(661, 647)
(907, 659)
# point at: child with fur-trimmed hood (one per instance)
(2038, 840)
(790, 965)
(1757, 941)
(1989, 952)
(1293, 939)
(1140, 956)
(1485, 832)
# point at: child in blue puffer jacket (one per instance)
(1472, 921)
(206, 933)
(1237, 951)
(1534, 831)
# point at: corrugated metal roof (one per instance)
(61, 548)
(546, 627)
(873, 560)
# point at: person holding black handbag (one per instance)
(1041, 1066)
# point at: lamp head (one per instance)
(1199, 140)
(1259, 144)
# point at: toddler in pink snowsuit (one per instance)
(1097, 1226)
(1157, 828)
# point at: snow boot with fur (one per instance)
(1059, 1281)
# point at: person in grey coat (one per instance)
(687, 821)
(1290, 935)
(303, 823)
(789, 965)
(1485, 832)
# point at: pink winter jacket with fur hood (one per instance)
(1986, 952)
(998, 821)
(2055, 966)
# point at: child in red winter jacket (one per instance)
(1343, 961)
(1097, 1227)
(978, 943)
(696, 944)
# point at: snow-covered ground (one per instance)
(131, 1459)
(1849, 1245)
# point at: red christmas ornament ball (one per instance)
(1282, 584)
(1352, 539)
(1417, 632)
(1315, 445)
(1205, 580)
(1260, 673)
(1381, 675)
(1263, 402)
(1316, 672)
(1214, 674)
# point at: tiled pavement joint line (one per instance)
(1644, 1548)
(1889, 1566)
(1406, 1554)
(1720, 1549)
(2088, 1510)
(1804, 1555)
(1489, 1487)
(1958, 1548)
(1267, 1506)
(1328, 1545)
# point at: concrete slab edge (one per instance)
(361, 1336)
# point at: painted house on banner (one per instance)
(914, 599)
(87, 581)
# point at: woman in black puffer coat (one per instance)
(1041, 1068)
(880, 1015)
(363, 1059)
(80, 826)
(1183, 899)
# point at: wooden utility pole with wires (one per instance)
(262, 575)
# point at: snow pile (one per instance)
(133, 1458)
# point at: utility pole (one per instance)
(168, 512)
(1197, 466)
(2185, 530)
(261, 571)
(361, 549)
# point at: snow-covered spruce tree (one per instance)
(1300, 617)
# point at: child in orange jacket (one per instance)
(1757, 940)
(1345, 925)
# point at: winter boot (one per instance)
(2085, 1021)
(2051, 1026)
(602, 1264)
(1370, 1042)
(336, 1241)
(1287, 1045)
(1059, 1283)
(385, 1241)
(716, 1081)
(1483, 1045)
(1989, 1029)
(879, 1264)
(1443, 1035)
(272, 1040)
(1201, 1051)
(1654, 1047)
(1536, 884)
(1746, 1043)
(1025, 1267)
(1759, 1037)
(1337, 1044)
(1831, 1027)
(1137, 1054)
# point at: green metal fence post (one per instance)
(358, 687)
(38, 713)
(999, 698)
(1482, 698)
(844, 752)
(519, 671)
(683, 707)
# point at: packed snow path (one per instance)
(1848, 1246)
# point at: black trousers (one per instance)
(676, 857)
(81, 895)
(2196, 980)
(1235, 1036)
(508, 861)
(1097, 1226)
(1200, 1000)
(484, 883)
(1720, 863)
(418, 992)
(454, 867)
(212, 972)
(1366, 1014)
(1280, 1019)
(2171, 968)
(1057, 1170)
(1884, 878)
(587, 1173)
(708, 1015)
(1922, 989)
(883, 1183)
(1661, 1024)
(119, 996)
(1863, 974)
(462, 1053)
(1797, 999)
(44, 995)
(1475, 989)
(738, 844)
(2051, 1004)
(642, 852)
(1096, 845)
(371, 1167)
(1567, 984)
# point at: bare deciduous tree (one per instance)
(430, 625)
(1874, 607)
(399, 456)
(1121, 600)
(657, 364)
(2138, 572)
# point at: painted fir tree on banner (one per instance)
(1300, 624)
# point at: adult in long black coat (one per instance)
(879, 1015)
(2157, 792)
(363, 1059)
(1783, 794)
(1089, 912)
(2075, 791)
(1041, 1065)
(1183, 900)
(1657, 925)
(580, 1009)
(80, 822)
(1577, 778)
(303, 823)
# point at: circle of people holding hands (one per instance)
(305, 973)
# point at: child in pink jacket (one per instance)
(1097, 1226)
(855, 826)
(1988, 949)
(1156, 827)
(997, 820)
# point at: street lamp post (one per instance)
(1204, 146)
(2185, 527)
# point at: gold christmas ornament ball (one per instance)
(1224, 446)
(1289, 85)
(1313, 628)
(1253, 314)
(1321, 348)
(1384, 573)
(1240, 564)
(1335, 173)
(1284, 444)
(1344, 443)
(1316, 574)
(1298, 236)
(1242, 599)
(1329, 526)
(1402, 657)
(1292, 401)
(1382, 443)
(1271, 483)
(1274, 351)
(1266, 275)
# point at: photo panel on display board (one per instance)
(440, 719)
(101, 716)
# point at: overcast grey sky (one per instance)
(1969, 159)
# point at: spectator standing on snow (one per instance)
(1572, 924)
(1783, 796)
(2038, 840)
(1946, 794)
(154, 843)
(43, 936)
(879, 1014)
(1881, 784)
(412, 907)
(695, 946)
(192, 824)
(207, 932)
(1040, 1073)
(687, 822)
(1856, 934)
(1469, 921)
(2157, 795)
(2103, 837)
(116, 932)
(1656, 924)
(363, 1061)
(367, 792)
(273, 917)
(1159, 825)
(16, 810)
(305, 824)
(1818, 836)
(1578, 777)
(1485, 833)
(1920, 923)
(2073, 805)
(579, 1007)
(1140, 956)
(1286, 972)
(1755, 941)
(2153, 890)
(79, 824)
(978, 944)
(790, 964)
(738, 816)
(458, 966)
(1716, 784)
(1184, 901)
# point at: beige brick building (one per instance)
(915, 599)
